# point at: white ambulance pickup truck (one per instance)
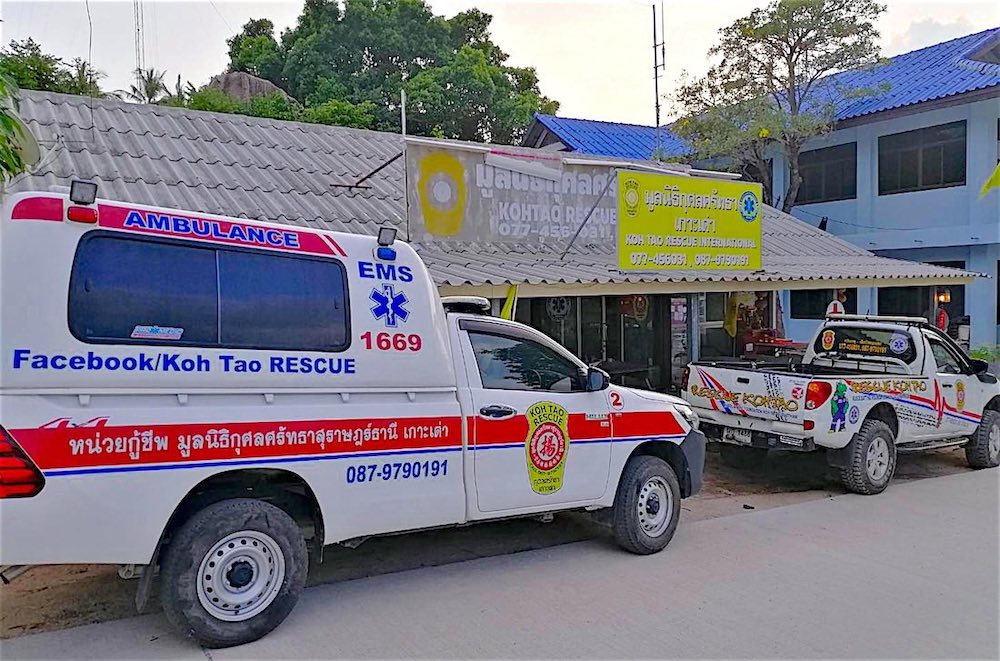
(215, 399)
(868, 387)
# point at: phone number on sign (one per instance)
(399, 470)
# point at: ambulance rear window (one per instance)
(126, 290)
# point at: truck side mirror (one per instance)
(597, 379)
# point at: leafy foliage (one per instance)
(11, 163)
(24, 63)
(363, 53)
(768, 88)
(211, 99)
(148, 88)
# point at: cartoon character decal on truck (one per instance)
(838, 407)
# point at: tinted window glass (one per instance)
(828, 174)
(130, 290)
(931, 157)
(281, 302)
(947, 361)
(121, 288)
(512, 364)
(855, 341)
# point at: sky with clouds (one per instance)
(593, 56)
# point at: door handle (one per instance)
(743, 379)
(497, 412)
(947, 385)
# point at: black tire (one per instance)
(181, 576)
(978, 452)
(738, 456)
(856, 476)
(629, 531)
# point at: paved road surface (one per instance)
(911, 573)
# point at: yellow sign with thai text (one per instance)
(675, 222)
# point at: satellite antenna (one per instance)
(25, 144)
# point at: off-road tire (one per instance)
(188, 546)
(977, 451)
(738, 456)
(628, 530)
(855, 475)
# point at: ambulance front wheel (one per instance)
(233, 571)
(647, 506)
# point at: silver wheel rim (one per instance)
(655, 506)
(994, 441)
(240, 576)
(877, 460)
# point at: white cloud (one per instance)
(927, 32)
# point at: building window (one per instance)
(906, 301)
(812, 303)
(192, 294)
(829, 174)
(924, 159)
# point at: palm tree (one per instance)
(84, 79)
(179, 97)
(148, 88)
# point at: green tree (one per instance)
(274, 106)
(255, 50)
(214, 100)
(28, 67)
(341, 113)
(178, 97)
(11, 162)
(366, 51)
(84, 79)
(148, 88)
(768, 89)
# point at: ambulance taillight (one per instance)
(19, 478)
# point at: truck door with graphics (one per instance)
(537, 435)
(957, 417)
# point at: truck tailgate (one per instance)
(747, 392)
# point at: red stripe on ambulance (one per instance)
(128, 445)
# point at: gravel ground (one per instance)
(62, 596)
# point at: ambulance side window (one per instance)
(132, 290)
(507, 363)
(120, 284)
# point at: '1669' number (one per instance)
(392, 342)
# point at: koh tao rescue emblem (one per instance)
(546, 446)
(827, 339)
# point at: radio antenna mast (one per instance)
(659, 68)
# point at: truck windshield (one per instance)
(867, 342)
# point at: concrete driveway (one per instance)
(910, 573)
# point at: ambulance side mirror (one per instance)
(597, 379)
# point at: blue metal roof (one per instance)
(935, 72)
(613, 139)
(931, 73)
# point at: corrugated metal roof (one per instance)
(613, 139)
(931, 73)
(928, 74)
(286, 172)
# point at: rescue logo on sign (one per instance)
(827, 339)
(546, 446)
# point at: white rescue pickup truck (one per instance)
(868, 388)
(215, 399)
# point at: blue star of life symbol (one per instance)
(389, 305)
(748, 206)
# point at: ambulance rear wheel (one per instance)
(233, 572)
(647, 506)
